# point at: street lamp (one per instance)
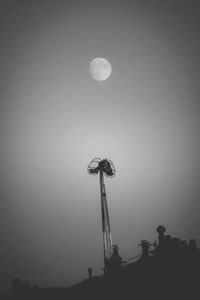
(102, 167)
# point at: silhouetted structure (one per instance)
(145, 249)
(169, 271)
(90, 273)
(115, 262)
(20, 288)
(104, 167)
(161, 230)
(16, 287)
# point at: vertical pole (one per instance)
(102, 214)
(107, 239)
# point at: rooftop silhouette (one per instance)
(165, 269)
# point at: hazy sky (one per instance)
(55, 119)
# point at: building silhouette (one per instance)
(167, 269)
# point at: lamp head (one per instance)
(104, 165)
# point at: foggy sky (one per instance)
(55, 119)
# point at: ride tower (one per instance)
(104, 167)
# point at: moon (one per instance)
(100, 69)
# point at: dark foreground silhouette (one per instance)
(170, 271)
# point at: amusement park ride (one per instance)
(104, 167)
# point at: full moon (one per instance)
(100, 69)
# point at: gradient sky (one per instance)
(55, 119)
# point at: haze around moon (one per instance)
(100, 69)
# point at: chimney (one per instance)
(90, 273)
(167, 239)
(183, 243)
(115, 249)
(161, 229)
(175, 241)
(145, 248)
(192, 243)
